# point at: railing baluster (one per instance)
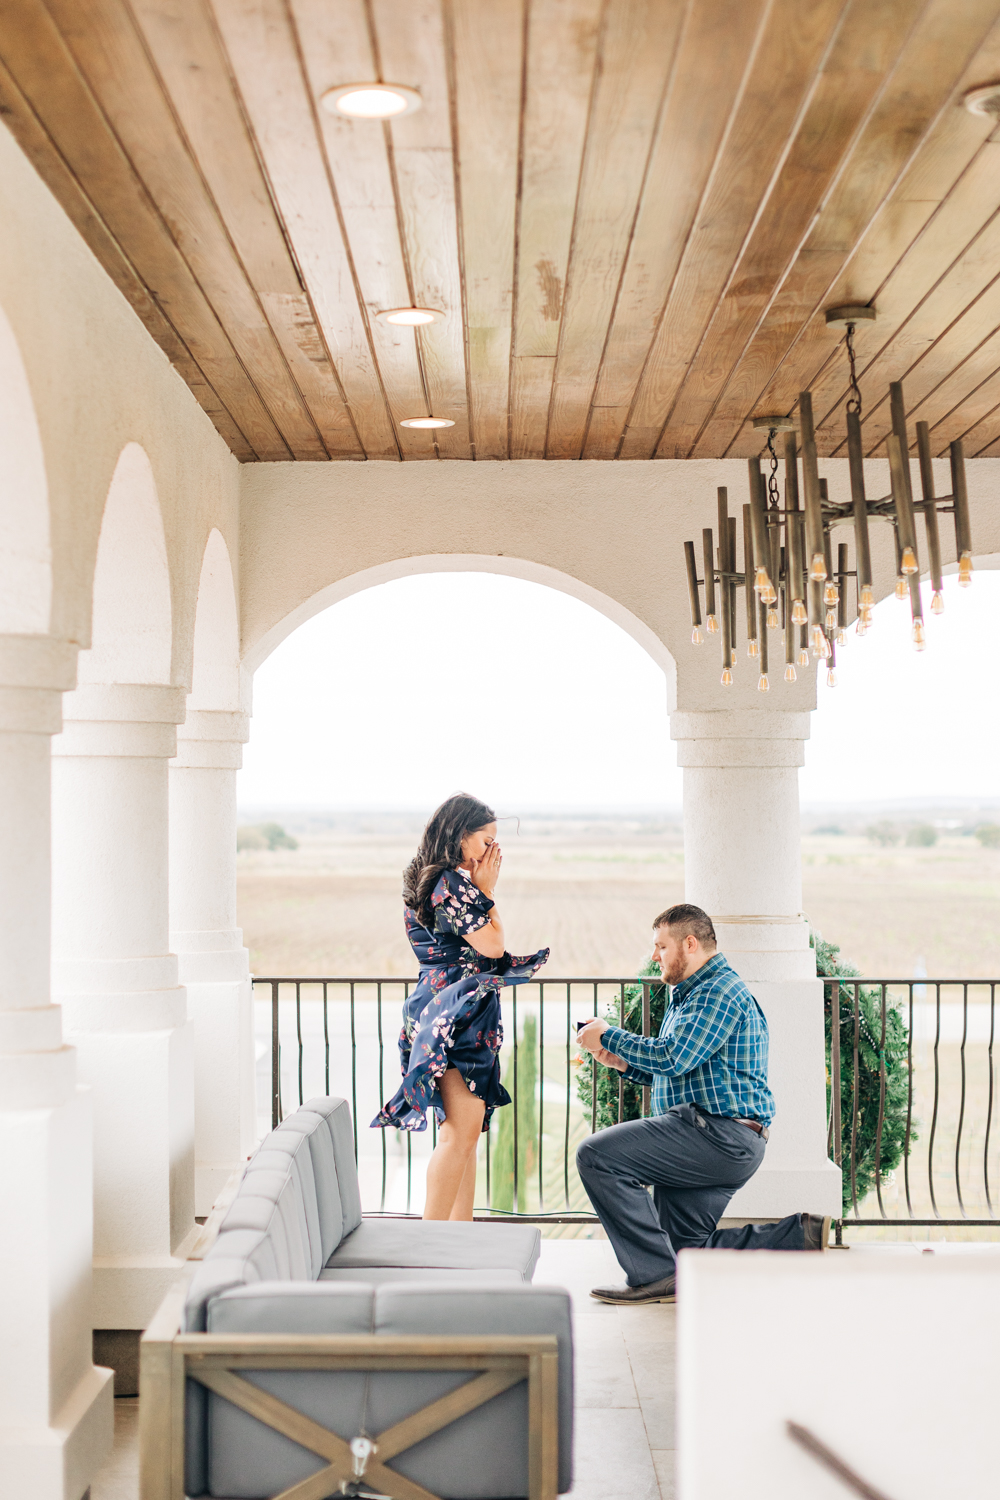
(541, 1091)
(275, 1055)
(961, 1106)
(326, 1038)
(593, 1079)
(881, 1112)
(909, 1108)
(516, 1106)
(569, 1069)
(298, 1030)
(354, 1075)
(381, 1084)
(937, 1087)
(856, 1109)
(836, 1109)
(989, 1107)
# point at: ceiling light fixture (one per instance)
(423, 422)
(790, 576)
(410, 317)
(371, 101)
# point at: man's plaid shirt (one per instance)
(711, 1050)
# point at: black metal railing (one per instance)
(917, 1099)
(339, 1035)
(911, 1061)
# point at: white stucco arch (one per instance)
(215, 677)
(452, 562)
(25, 552)
(131, 630)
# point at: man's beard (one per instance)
(673, 973)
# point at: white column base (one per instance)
(57, 1462)
(55, 1407)
(129, 1288)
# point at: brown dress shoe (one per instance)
(632, 1296)
(815, 1231)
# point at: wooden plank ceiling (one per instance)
(632, 213)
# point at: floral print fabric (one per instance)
(451, 1019)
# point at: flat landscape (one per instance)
(589, 887)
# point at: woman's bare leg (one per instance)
(457, 1141)
(466, 1196)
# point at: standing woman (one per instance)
(452, 1031)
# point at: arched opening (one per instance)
(585, 679)
(25, 554)
(131, 637)
(215, 675)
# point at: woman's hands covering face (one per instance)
(485, 872)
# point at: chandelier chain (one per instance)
(854, 399)
(773, 493)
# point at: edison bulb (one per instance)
(831, 678)
(864, 625)
(841, 636)
(908, 562)
(799, 616)
(696, 637)
(917, 635)
(901, 588)
(831, 593)
(831, 619)
(818, 641)
(732, 657)
(763, 686)
(817, 568)
(727, 678)
(937, 604)
(965, 570)
(867, 599)
(761, 580)
(752, 648)
(803, 658)
(772, 619)
(789, 673)
(712, 625)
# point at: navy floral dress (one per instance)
(452, 1017)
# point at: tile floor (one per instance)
(624, 1389)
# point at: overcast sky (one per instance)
(530, 699)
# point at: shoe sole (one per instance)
(632, 1301)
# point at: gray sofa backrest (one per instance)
(297, 1201)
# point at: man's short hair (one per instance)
(684, 919)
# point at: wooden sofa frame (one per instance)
(168, 1358)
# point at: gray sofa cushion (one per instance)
(443, 1246)
(482, 1457)
(337, 1115)
(380, 1275)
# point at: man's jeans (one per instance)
(694, 1162)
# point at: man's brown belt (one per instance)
(754, 1125)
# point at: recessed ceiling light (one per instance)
(427, 422)
(410, 317)
(371, 101)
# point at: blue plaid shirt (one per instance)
(711, 1050)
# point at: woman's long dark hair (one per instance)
(441, 849)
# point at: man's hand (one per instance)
(588, 1039)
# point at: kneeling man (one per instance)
(707, 1134)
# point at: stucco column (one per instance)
(56, 1426)
(213, 962)
(743, 865)
(117, 980)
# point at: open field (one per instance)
(589, 888)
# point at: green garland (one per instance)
(863, 1111)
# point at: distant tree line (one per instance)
(264, 836)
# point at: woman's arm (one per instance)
(489, 939)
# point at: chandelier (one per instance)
(789, 578)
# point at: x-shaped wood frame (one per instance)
(502, 1361)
